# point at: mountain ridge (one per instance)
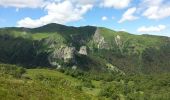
(101, 48)
(62, 25)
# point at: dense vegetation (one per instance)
(21, 51)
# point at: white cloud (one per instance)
(146, 29)
(128, 15)
(104, 18)
(83, 2)
(22, 3)
(61, 12)
(117, 4)
(146, 3)
(157, 12)
(158, 9)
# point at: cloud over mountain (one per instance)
(60, 12)
(151, 28)
(118, 4)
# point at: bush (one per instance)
(13, 70)
(74, 73)
(87, 83)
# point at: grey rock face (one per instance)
(83, 50)
(100, 40)
(69, 53)
(66, 54)
(118, 40)
(119, 43)
(97, 37)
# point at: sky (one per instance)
(134, 16)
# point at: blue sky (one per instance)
(134, 16)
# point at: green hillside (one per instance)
(45, 84)
(88, 48)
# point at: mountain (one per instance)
(86, 48)
(58, 62)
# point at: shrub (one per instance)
(13, 70)
(87, 83)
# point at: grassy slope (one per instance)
(144, 40)
(46, 84)
(134, 48)
(43, 84)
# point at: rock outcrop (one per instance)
(63, 54)
(119, 43)
(83, 50)
(100, 40)
(69, 54)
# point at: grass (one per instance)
(145, 40)
(48, 84)
(44, 84)
(50, 73)
(39, 36)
